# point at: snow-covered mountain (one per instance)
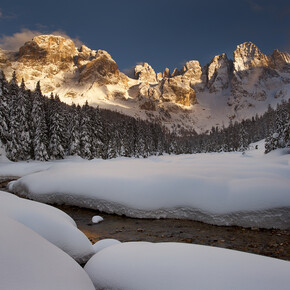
(190, 98)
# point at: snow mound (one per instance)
(217, 188)
(49, 222)
(97, 219)
(140, 265)
(103, 244)
(28, 261)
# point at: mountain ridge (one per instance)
(192, 98)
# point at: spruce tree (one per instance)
(40, 138)
(4, 109)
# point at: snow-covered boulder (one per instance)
(28, 261)
(140, 265)
(105, 243)
(49, 222)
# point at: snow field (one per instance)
(141, 265)
(250, 190)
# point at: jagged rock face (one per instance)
(85, 55)
(166, 73)
(103, 70)
(176, 91)
(218, 73)
(192, 71)
(48, 49)
(144, 72)
(281, 60)
(247, 56)
(255, 74)
(159, 76)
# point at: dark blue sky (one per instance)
(162, 33)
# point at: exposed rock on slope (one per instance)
(144, 72)
(190, 98)
(218, 73)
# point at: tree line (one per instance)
(33, 126)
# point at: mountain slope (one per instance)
(190, 98)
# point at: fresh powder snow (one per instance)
(28, 261)
(51, 223)
(142, 265)
(250, 189)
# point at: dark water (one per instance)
(272, 243)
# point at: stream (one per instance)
(268, 242)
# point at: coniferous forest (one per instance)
(33, 126)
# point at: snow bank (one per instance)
(21, 168)
(97, 219)
(28, 261)
(105, 243)
(140, 265)
(218, 188)
(49, 222)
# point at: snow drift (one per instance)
(249, 189)
(51, 223)
(141, 265)
(28, 261)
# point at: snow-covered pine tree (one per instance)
(279, 137)
(85, 132)
(74, 129)
(13, 142)
(4, 109)
(56, 130)
(23, 116)
(243, 137)
(97, 133)
(40, 138)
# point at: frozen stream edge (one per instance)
(269, 218)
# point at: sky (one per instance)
(164, 33)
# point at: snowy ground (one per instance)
(141, 265)
(30, 260)
(250, 189)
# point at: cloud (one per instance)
(1, 14)
(13, 42)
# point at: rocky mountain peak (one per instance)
(280, 59)
(218, 73)
(247, 55)
(144, 72)
(102, 69)
(181, 98)
(48, 49)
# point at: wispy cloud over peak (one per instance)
(16, 40)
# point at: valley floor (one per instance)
(251, 189)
